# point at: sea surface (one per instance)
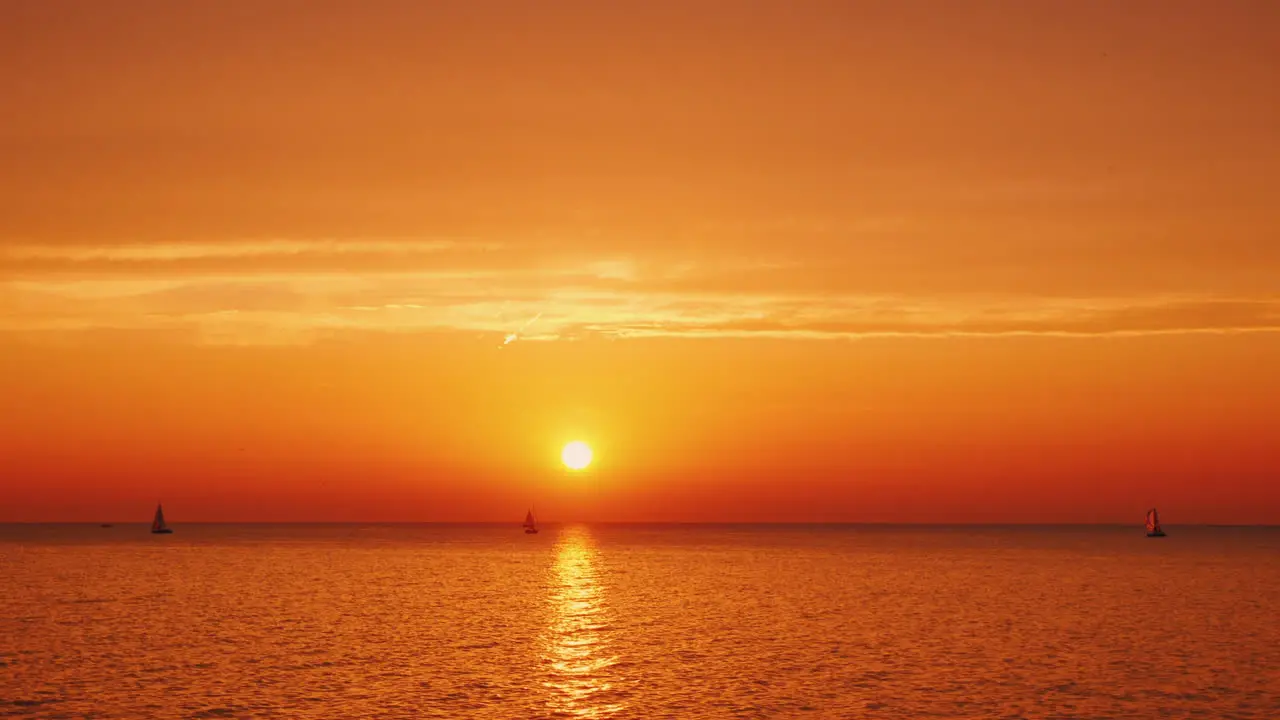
(633, 621)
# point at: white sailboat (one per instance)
(1153, 524)
(530, 527)
(157, 525)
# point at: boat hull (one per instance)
(1155, 534)
(530, 531)
(165, 531)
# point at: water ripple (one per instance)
(623, 623)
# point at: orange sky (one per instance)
(865, 261)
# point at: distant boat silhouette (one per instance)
(530, 527)
(157, 526)
(1153, 524)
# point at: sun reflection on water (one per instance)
(580, 667)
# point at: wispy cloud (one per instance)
(241, 257)
(240, 248)
(570, 297)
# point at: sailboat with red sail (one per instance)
(1153, 524)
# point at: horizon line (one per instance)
(1031, 523)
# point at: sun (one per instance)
(576, 455)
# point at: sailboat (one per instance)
(530, 527)
(1153, 524)
(157, 526)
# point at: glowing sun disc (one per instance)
(576, 455)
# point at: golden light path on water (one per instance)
(576, 646)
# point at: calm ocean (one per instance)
(633, 621)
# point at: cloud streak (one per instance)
(239, 248)
(243, 257)
(568, 296)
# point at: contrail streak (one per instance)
(512, 337)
